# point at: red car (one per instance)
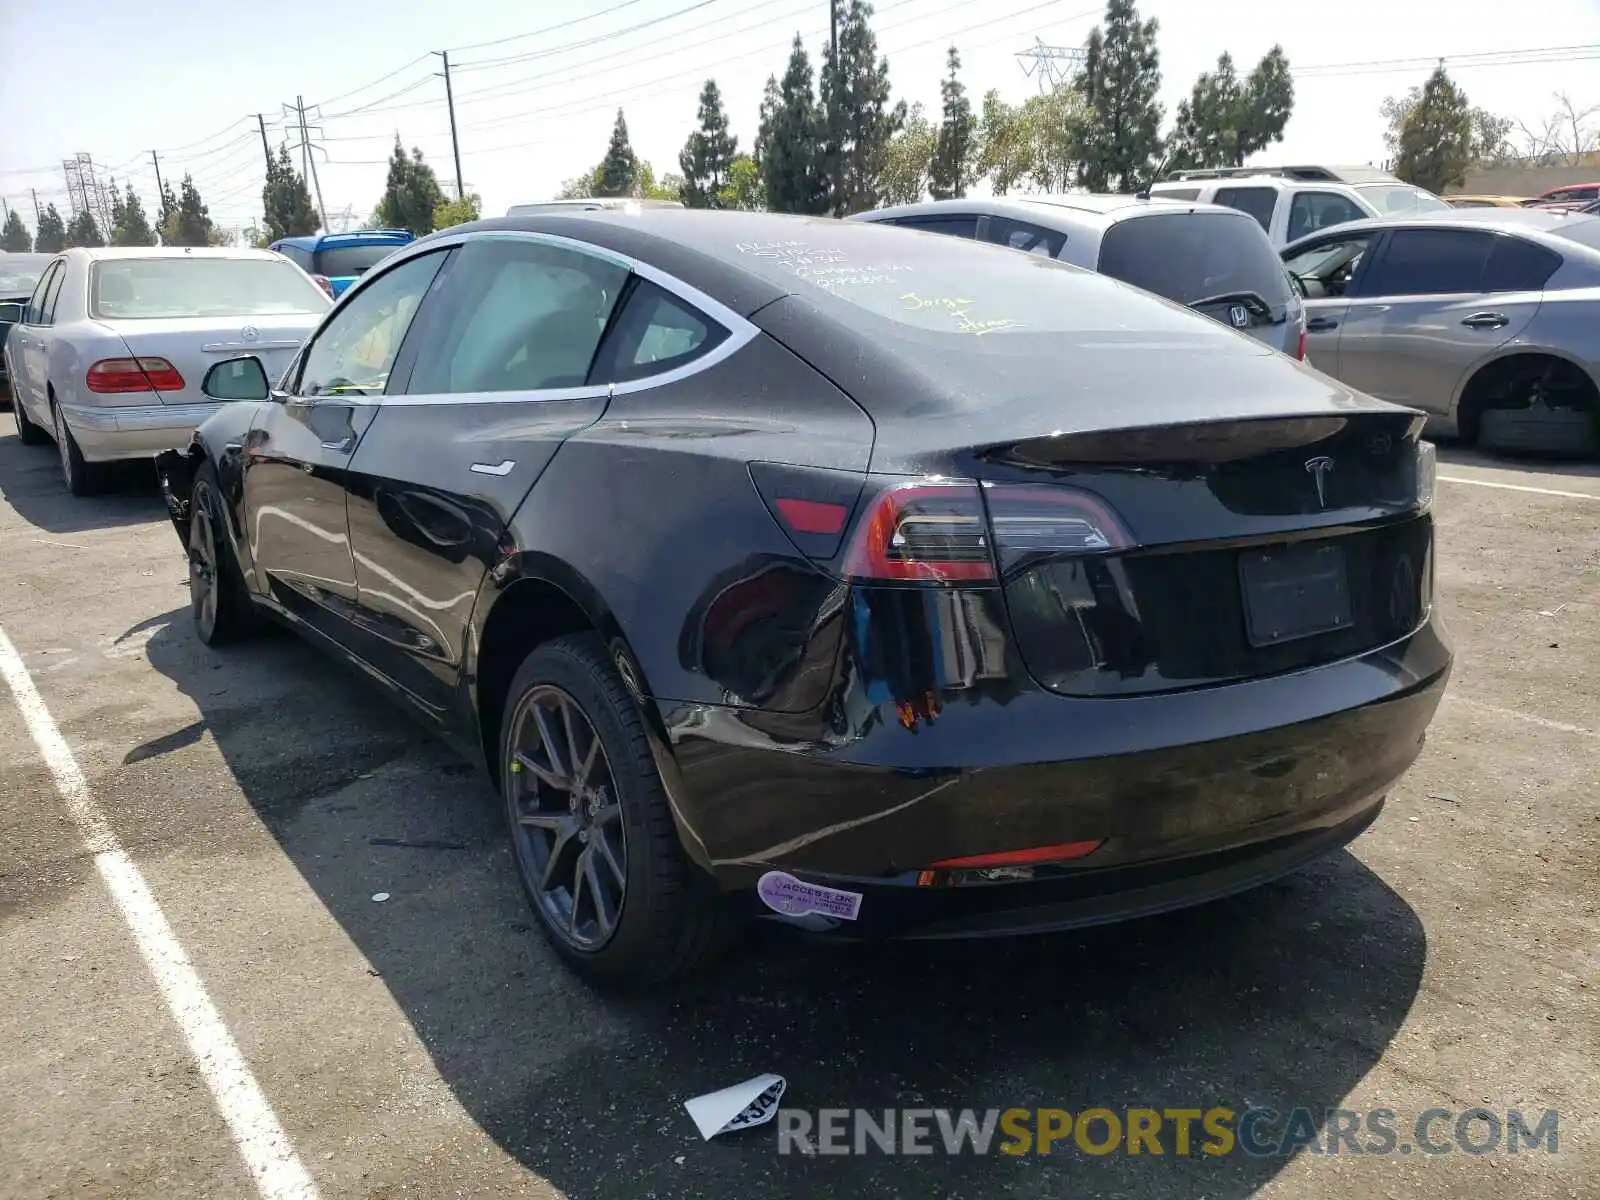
(1569, 196)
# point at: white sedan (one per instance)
(112, 347)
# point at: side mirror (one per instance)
(237, 379)
(11, 314)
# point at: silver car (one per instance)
(1486, 319)
(1212, 259)
(113, 344)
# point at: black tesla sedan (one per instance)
(862, 579)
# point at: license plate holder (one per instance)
(1293, 592)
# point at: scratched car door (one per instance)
(498, 380)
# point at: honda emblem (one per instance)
(1239, 315)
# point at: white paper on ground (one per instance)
(742, 1106)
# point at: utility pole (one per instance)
(450, 103)
(160, 187)
(833, 31)
(35, 193)
(310, 159)
(261, 120)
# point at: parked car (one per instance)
(1486, 201)
(1483, 318)
(1571, 196)
(1212, 259)
(113, 344)
(867, 581)
(336, 260)
(19, 274)
(1292, 202)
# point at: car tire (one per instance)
(79, 476)
(579, 785)
(218, 600)
(28, 433)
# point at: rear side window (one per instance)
(37, 306)
(1020, 235)
(1311, 211)
(1518, 266)
(956, 224)
(655, 333)
(1193, 256)
(1429, 262)
(517, 316)
(1259, 202)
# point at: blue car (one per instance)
(336, 260)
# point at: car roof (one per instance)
(1568, 186)
(1100, 208)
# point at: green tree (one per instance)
(188, 220)
(1120, 140)
(410, 193)
(83, 231)
(256, 237)
(911, 159)
(52, 233)
(745, 189)
(788, 148)
(458, 212)
(620, 166)
(1437, 141)
(707, 156)
(580, 187)
(1491, 134)
(1034, 143)
(1225, 120)
(645, 187)
(15, 236)
(167, 209)
(954, 154)
(118, 209)
(285, 200)
(857, 119)
(132, 227)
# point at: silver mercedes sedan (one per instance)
(112, 345)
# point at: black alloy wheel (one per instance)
(222, 610)
(571, 840)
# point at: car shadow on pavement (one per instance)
(30, 482)
(1284, 997)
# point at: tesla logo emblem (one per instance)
(1239, 315)
(1319, 469)
(250, 333)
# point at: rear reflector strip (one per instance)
(1061, 852)
(812, 516)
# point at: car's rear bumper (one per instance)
(109, 432)
(1190, 794)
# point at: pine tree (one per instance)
(789, 149)
(857, 120)
(951, 170)
(117, 209)
(52, 234)
(15, 236)
(707, 156)
(188, 220)
(619, 167)
(1121, 135)
(1224, 121)
(132, 227)
(83, 231)
(410, 194)
(1438, 138)
(285, 200)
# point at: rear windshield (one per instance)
(132, 288)
(1194, 256)
(933, 289)
(337, 261)
(1400, 198)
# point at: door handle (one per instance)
(1321, 324)
(1486, 320)
(341, 445)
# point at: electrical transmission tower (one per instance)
(86, 192)
(1054, 66)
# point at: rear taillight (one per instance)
(111, 376)
(323, 282)
(1034, 521)
(928, 531)
(1300, 347)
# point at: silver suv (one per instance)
(1215, 260)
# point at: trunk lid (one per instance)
(194, 344)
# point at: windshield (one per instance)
(337, 261)
(135, 288)
(1400, 198)
(1195, 256)
(20, 278)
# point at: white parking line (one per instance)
(262, 1142)
(1530, 718)
(1517, 487)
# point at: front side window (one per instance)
(126, 289)
(48, 316)
(655, 333)
(1020, 235)
(34, 313)
(355, 350)
(1326, 268)
(519, 316)
(1311, 211)
(1259, 202)
(1430, 262)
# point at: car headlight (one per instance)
(1427, 472)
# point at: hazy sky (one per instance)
(117, 78)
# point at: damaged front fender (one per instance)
(175, 470)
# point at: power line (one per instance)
(1491, 58)
(517, 37)
(484, 63)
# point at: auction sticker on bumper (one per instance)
(783, 893)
